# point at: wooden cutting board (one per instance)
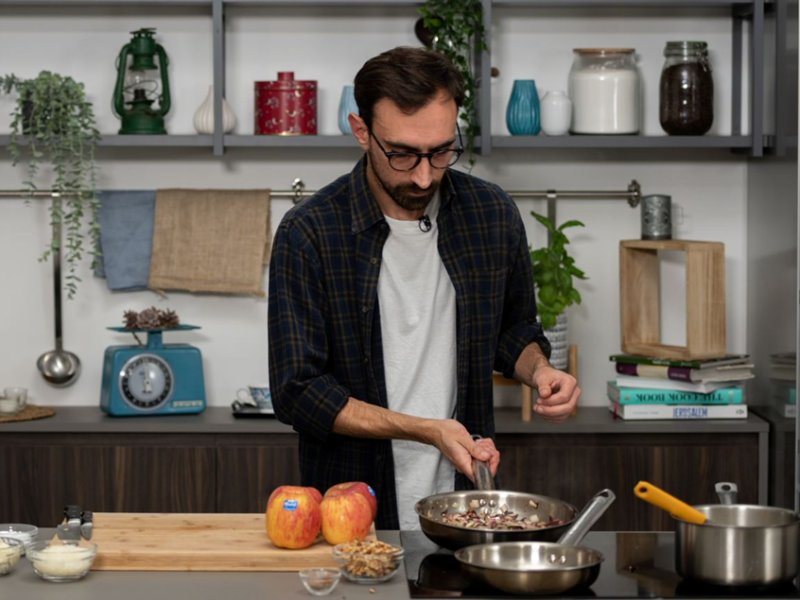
(196, 542)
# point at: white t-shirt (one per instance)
(418, 329)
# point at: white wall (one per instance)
(708, 190)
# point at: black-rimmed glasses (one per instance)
(408, 161)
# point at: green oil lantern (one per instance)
(141, 94)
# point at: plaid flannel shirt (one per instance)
(324, 321)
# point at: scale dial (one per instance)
(146, 381)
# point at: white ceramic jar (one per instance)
(556, 113)
(605, 90)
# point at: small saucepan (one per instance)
(730, 544)
(554, 515)
(527, 567)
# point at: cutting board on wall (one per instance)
(196, 542)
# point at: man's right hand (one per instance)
(456, 443)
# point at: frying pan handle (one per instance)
(480, 470)
(588, 516)
(483, 477)
(726, 491)
(658, 497)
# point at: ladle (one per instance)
(678, 508)
(59, 367)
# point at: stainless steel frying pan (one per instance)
(526, 567)
(431, 509)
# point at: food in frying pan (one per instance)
(484, 515)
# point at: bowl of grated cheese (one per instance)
(10, 552)
(57, 561)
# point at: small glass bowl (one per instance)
(320, 581)
(11, 549)
(368, 561)
(56, 561)
(21, 531)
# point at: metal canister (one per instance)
(656, 217)
(285, 106)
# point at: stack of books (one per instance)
(657, 388)
(782, 368)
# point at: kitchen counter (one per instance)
(215, 419)
(637, 565)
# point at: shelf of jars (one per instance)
(734, 142)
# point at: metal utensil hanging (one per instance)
(59, 367)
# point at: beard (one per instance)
(408, 196)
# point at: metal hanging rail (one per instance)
(633, 194)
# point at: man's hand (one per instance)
(455, 442)
(558, 391)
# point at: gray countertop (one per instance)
(588, 420)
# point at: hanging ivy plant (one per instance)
(53, 128)
(455, 28)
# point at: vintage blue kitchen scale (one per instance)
(153, 379)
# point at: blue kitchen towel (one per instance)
(126, 237)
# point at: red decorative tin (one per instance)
(285, 106)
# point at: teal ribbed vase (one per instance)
(522, 112)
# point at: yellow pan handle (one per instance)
(677, 508)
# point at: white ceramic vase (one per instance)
(556, 113)
(557, 336)
(204, 116)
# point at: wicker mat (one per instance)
(29, 413)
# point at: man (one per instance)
(394, 293)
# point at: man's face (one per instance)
(429, 129)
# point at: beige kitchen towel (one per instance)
(210, 241)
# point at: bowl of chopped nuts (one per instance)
(368, 561)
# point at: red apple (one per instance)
(345, 517)
(358, 487)
(293, 516)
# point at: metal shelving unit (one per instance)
(743, 12)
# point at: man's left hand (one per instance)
(558, 393)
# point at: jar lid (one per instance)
(685, 47)
(603, 51)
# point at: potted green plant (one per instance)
(53, 128)
(455, 28)
(554, 271)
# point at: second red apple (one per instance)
(358, 487)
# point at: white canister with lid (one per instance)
(605, 91)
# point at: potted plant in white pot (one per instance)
(554, 272)
(53, 128)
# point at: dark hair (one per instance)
(409, 77)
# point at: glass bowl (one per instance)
(320, 581)
(56, 561)
(368, 561)
(11, 549)
(21, 531)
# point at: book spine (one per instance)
(648, 360)
(623, 395)
(682, 412)
(657, 371)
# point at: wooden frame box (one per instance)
(640, 298)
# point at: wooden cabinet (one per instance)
(212, 463)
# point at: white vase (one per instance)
(557, 336)
(556, 113)
(204, 116)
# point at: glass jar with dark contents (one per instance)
(686, 105)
